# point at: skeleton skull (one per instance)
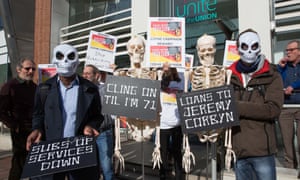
(249, 47)
(136, 49)
(206, 49)
(65, 58)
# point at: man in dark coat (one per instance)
(71, 107)
(16, 106)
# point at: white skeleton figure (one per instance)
(207, 75)
(139, 130)
(136, 51)
(202, 77)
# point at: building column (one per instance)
(42, 32)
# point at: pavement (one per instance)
(138, 163)
(5, 154)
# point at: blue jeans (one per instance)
(105, 150)
(260, 168)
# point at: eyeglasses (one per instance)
(290, 49)
(28, 68)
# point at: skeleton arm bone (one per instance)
(229, 152)
(188, 157)
(156, 156)
(120, 163)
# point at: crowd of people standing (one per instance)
(73, 104)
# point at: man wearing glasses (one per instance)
(289, 67)
(16, 107)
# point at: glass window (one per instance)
(81, 11)
(85, 10)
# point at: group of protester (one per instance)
(72, 107)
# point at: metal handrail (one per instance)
(291, 106)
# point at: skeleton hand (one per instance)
(188, 159)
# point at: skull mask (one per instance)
(136, 49)
(249, 47)
(65, 58)
(206, 49)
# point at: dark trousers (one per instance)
(171, 144)
(19, 154)
(286, 122)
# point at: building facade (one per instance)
(276, 21)
(69, 21)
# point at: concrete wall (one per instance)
(59, 19)
(140, 14)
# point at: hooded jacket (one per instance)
(259, 104)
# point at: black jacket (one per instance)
(259, 104)
(47, 115)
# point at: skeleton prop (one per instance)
(136, 51)
(139, 130)
(202, 77)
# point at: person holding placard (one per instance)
(66, 105)
(170, 129)
(259, 98)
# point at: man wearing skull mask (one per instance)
(71, 107)
(259, 98)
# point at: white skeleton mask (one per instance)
(249, 47)
(206, 48)
(65, 58)
(136, 49)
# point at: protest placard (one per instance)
(131, 97)
(48, 157)
(231, 53)
(166, 41)
(207, 109)
(46, 71)
(101, 51)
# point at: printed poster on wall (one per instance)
(46, 71)
(166, 41)
(231, 53)
(188, 63)
(189, 60)
(101, 51)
